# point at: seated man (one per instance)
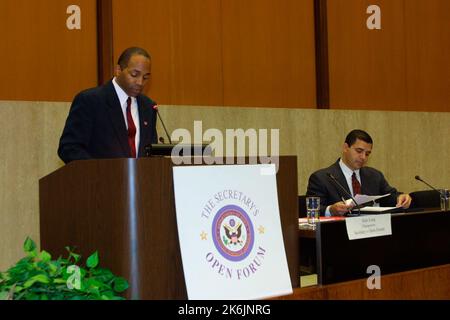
(351, 173)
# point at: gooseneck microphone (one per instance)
(155, 107)
(421, 180)
(336, 183)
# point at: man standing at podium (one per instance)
(114, 120)
(350, 172)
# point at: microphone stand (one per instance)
(420, 179)
(155, 107)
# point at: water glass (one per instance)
(445, 199)
(312, 209)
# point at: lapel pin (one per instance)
(145, 123)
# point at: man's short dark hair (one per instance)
(128, 53)
(357, 134)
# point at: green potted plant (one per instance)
(38, 277)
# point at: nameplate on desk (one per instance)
(369, 226)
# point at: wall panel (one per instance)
(427, 38)
(184, 39)
(223, 52)
(42, 59)
(403, 66)
(268, 53)
(367, 67)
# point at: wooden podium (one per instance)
(125, 209)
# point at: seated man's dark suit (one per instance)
(372, 183)
(96, 128)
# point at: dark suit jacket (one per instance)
(96, 129)
(372, 183)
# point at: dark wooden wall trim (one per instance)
(321, 44)
(104, 40)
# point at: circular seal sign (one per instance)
(232, 232)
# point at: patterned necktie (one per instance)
(355, 185)
(131, 129)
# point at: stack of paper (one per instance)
(363, 200)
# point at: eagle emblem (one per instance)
(233, 233)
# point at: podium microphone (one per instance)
(336, 182)
(155, 107)
(420, 179)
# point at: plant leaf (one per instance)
(41, 278)
(18, 288)
(38, 277)
(53, 268)
(75, 256)
(92, 261)
(4, 295)
(45, 256)
(120, 284)
(31, 296)
(59, 281)
(29, 245)
(93, 291)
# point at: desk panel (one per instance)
(418, 240)
(427, 283)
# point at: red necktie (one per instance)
(131, 129)
(356, 185)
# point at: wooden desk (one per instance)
(418, 240)
(427, 283)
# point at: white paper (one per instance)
(362, 198)
(376, 209)
(368, 226)
(210, 199)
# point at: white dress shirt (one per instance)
(123, 97)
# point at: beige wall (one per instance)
(30, 133)
(405, 144)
